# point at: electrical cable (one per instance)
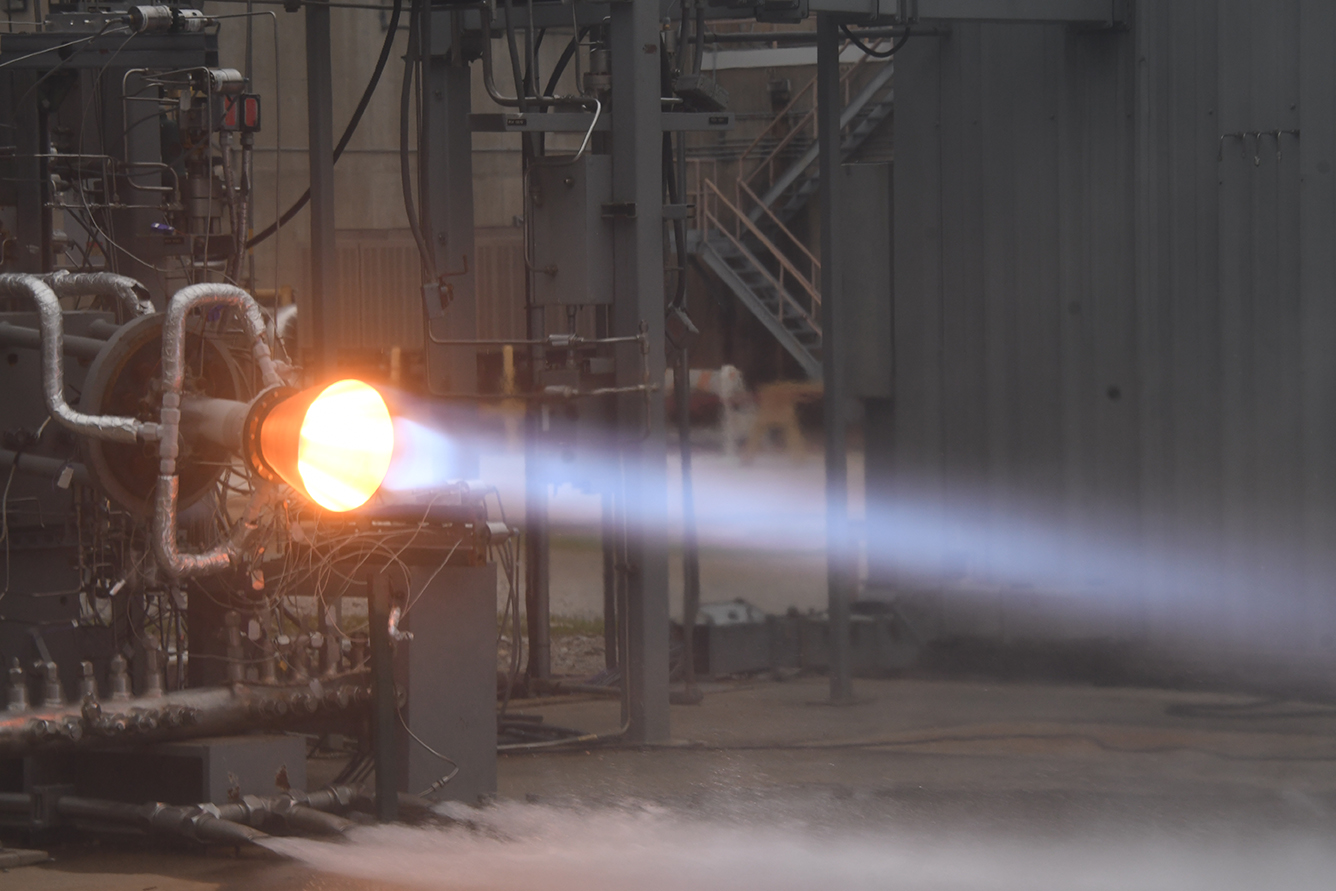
(867, 50)
(4, 503)
(349, 130)
(83, 198)
(52, 49)
(521, 84)
(425, 254)
(699, 55)
(446, 758)
(531, 73)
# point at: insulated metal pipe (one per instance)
(51, 323)
(173, 378)
(101, 284)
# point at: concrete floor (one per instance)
(1046, 765)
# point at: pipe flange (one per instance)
(250, 433)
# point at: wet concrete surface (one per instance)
(936, 758)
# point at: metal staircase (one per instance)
(746, 239)
(765, 279)
(789, 192)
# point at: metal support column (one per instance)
(319, 348)
(384, 704)
(446, 170)
(637, 210)
(537, 554)
(30, 181)
(839, 553)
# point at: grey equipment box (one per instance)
(572, 241)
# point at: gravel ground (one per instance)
(576, 655)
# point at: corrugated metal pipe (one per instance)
(50, 320)
(173, 375)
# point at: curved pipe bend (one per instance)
(103, 284)
(191, 297)
(50, 321)
(489, 83)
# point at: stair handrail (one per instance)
(802, 123)
(715, 198)
(813, 264)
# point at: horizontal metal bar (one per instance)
(158, 51)
(1088, 12)
(578, 122)
(30, 338)
(1103, 13)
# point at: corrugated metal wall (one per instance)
(379, 303)
(1115, 400)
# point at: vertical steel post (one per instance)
(637, 222)
(690, 545)
(30, 177)
(839, 577)
(610, 624)
(537, 557)
(319, 350)
(383, 740)
(445, 149)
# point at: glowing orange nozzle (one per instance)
(333, 444)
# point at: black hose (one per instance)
(884, 54)
(533, 54)
(699, 53)
(520, 83)
(348, 131)
(565, 59)
(425, 255)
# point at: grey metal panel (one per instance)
(1177, 268)
(964, 353)
(1129, 315)
(451, 671)
(917, 443)
(864, 228)
(1317, 285)
(572, 247)
(1258, 250)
